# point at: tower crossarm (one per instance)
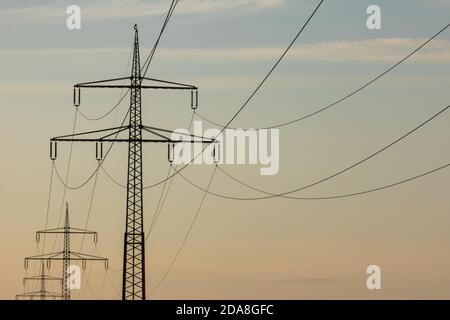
(64, 230)
(46, 256)
(42, 277)
(194, 138)
(113, 133)
(169, 84)
(39, 294)
(109, 131)
(60, 256)
(78, 256)
(70, 230)
(155, 84)
(98, 82)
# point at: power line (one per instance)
(254, 92)
(283, 194)
(274, 67)
(85, 182)
(117, 103)
(50, 191)
(308, 115)
(91, 202)
(206, 191)
(161, 203)
(107, 113)
(229, 122)
(108, 275)
(345, 195)
(66, 180)
(343, 98)
(188, 233)
(235, 115)
(152, 52)
(157, 210)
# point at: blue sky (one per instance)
(211, 23)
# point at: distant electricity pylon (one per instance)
(133, 280)
(43, 293)
(66, 255)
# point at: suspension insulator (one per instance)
(38, 237)
(194, 103)
(99, 151)
(25, 264)
(171, 152)
(95, 237)
(76, 97)
(49, 263)
(106, 264)
(196, 99)
(53, 150)
(83, 264)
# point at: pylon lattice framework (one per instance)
(66, 255)
(133, 274)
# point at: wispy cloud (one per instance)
(376, 50)
(137, 8)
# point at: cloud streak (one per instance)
(138, 8)
(376, 50)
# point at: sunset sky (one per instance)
(267, 249)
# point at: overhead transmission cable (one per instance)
(122, 96)
(186, 237)
(343, 98)
(309, 115)
(69, 161)
(85, 182)
(88, 217)
(331, 197)
(334, 175)
(50, 191)
(254, 92)
(164, 194)
(229, 122)
(149, 59)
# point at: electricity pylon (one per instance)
(133, 280)
(43, 293)
(66, 255)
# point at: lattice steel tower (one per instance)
(43, 293)
(66, 255)
(134, 242)
(133, 278)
